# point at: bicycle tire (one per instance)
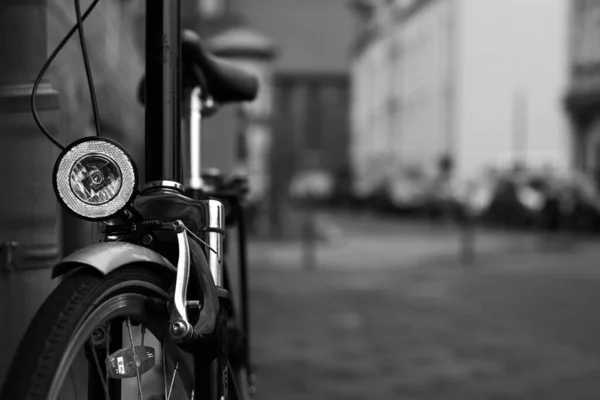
(67, 309)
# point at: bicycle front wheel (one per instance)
(101, 337)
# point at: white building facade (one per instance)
(472, 79)
(583, 97)
(370, 94)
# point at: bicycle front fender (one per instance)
(108, 256)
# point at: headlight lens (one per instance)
(95, 178)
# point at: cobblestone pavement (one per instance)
(518, 324)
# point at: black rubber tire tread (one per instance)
(37, 357)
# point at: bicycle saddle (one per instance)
(224, 81)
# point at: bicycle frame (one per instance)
(163, 98)
(163, 154)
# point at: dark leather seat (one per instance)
(225, 82)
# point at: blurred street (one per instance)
(517, 324)
(365, 241)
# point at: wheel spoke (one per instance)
(173, 380)
(137, 361)
(164, 362)
(234, 381)
(108, 324)
(71, 371)
(99, 368)
(74, 384)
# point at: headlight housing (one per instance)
(95, 178)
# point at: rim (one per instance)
(129, 307)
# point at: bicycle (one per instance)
(160, 267)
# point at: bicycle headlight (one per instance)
(95, 178)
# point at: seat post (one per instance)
(163, 99)
(195, 139)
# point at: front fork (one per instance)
(211, 365)
(212, 377)
(211, 237)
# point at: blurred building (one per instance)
(310, 93)
(468, 79)
(583, 97)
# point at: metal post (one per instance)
(243, 280)
(467, 238)
(309, 236)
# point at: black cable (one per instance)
(86, 63)
(45, 67)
